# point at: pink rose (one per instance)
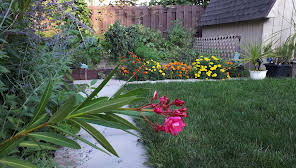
(157, 110)
(173, 125)
(179, 102)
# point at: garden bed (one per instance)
(230, 124)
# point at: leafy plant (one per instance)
(282, 54)
(100, 111)
(253, 54)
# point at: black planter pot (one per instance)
(278, 71)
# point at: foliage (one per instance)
(282, 54)
(99, 111)
(212, 68)
(179, 36)
(236, 123)
(149, 44)
(90, 53)
(253, 54)
(119, 40)
(204, 3)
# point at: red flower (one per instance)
(157, 110)
(173, 125)
(179, 102)
(134, 73)
(123, 57)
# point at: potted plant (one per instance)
(280, 60)
(252, 53)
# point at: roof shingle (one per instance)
(229, 11)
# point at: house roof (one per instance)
(229, 11)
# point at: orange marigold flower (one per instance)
(180, 72)
(229, 68)
(187, 77)
(122, 68)
(230, 63)
(183, 69)
(180, 75)
(145, 72)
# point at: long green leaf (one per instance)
(16, 163)
(79, 138)
(101, 107)
(101, 119)
(55, 139)
(132, 113)
(63, 111)
(122, 121)
(98, 89)
(37, 146)
(9, 147)
(37, 122)
(43, 103)
(96, 135)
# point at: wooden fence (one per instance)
(155, 17)
(223, 46)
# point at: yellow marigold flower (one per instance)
(228, 77)
(199, 72)
(223, 79)
(163, 74)
(201, 56)
(198, 62)
(214, 75)
(147, 62)
(207, 59)
(211, 63)
(193, 63)
(219, 65)
(153, 67)
(160, 71)
(158, 66)
(215, 58)
(222, 70)
(207, 78)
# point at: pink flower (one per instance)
(173, 125)
(164, 100)
(155, 95)
(180, 113)
(157, 110)
(179, 102)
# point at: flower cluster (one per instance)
(210, 68)
(132, 66)
(203, 68)
(174, 119)
(177, 70)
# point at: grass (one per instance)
(230, 124)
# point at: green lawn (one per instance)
(230, 124)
